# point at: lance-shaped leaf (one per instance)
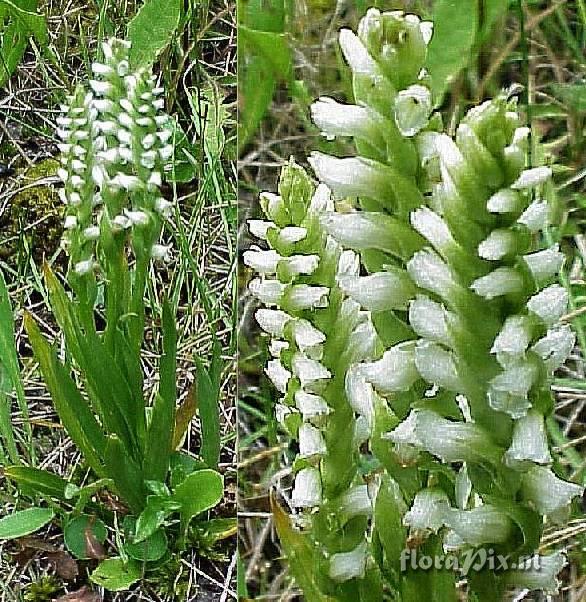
(126, 474)
(40, 481)
(24, 522)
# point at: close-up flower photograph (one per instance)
(411, 329)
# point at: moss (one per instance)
(43, 590)
(38, 205)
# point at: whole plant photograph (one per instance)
(411, 300)
(117, 301)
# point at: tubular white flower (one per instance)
(436, 365)
(429, 320)
(380, 291)
(311, 441)
(555, 347)
(301, 264)
(91, 233)
(305, 296)
(161, 252)
(430, 272)
(546, 492)
(310, 372)
(497, 245)
(350, 176)
(356, 54)
(276, 347)
(535, 216)
(311, 406)
(269, 292)
(532, 177)
(504, 201)
(513, 339)
(395, 371)
(307, 337)
(137, 218)
(263, 262)
(529, 442)
(348, 565)
(336, 119)
(307, 491)
(482, 525)
(163, 207)
(259, 228)
(363, 342)
(360, 394)
(432, 227)
(412, 109)
(550, 304)
(101, 88)
(362, 432)
(272, 321)
(538, 573)
(359, 230)
(544, 265)
(278, 374)
(428, 511)
(502, 281)
(84, 267)
(70, 222)
(508, 390)
(292, 234)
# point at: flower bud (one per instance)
(412, 109)
(535, 216)
(499, 244)
(360, 394)
(278, 374)
(355, 502)
(430, 272)
(311, 406)
(336, 119)
(505, 201)
(310, 372)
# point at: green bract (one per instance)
(417, 332)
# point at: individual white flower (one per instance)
(336, 119)
(311, 406)
(278, 374)
(395, 371)
(508, 390)
(356, 54)
(482, 525)
(529, 442)
(127, 182)
(276, 347)
(70, 222)
(307, 491)
(436, 365)
(380, 291)
(137, 218)
(348, 565)
(360, 394)
(101, 88)
(121, 222)
(269, 292)
(163, 207)
(546, 492)
(161, 252)
(355, 502)
(430, 272)
(91, 233)
(305, 296)
(535, 216)
(310, 372)
(359, 230)
(307, 337)
(84, 267)
(538, 573)
(502, 281)
(311, 441)
(545, 264)
(429, 320)
(550, 304)
(555, 347)
(432, 227)
(260, 227)
(513, 339)
(532, 177)
(497, 245)
(272, 321)
(428, 511)
(263, 262)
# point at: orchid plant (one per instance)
(414, 323)
(116, 141)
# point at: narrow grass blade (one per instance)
(10, 377)
(73, 410)
(161, 427)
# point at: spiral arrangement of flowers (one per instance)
(414, 329)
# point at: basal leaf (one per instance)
(40, 481)
(151, 29)
(24, 522)
(82, 534)
(29, 20)
(116, 575)
(199, 492)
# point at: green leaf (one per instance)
(76, 534)
(151, 549)
(454, 33)
(162, 421)
(73, 410)
(183, 165)
(208, 395)
(151, 29)
(24, 522)
(126, 474)
(115, 575)
(30, 22)
(199, 492)
(9, 375)
(13, 44)
(156, 511)
(40, 481)
(272, 47)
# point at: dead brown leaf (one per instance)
(85, 594)
(65, 565)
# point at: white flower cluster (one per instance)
(448, 230)
(115, 145)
